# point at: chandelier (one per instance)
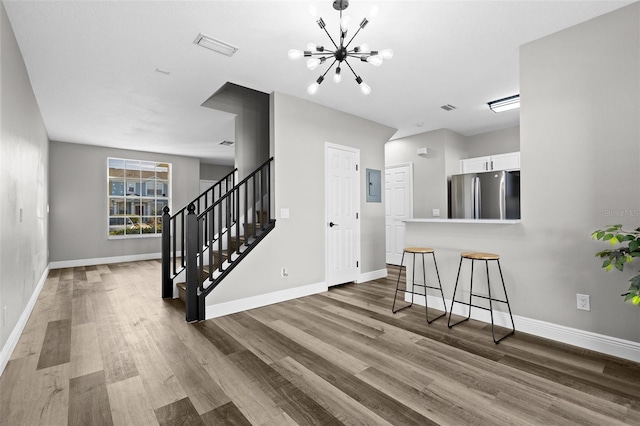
(319, 54)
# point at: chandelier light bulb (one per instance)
(373, 12)
(364, 87)
(295, 54)
(374, 60)
(386, 54)
(313, 88)
(313, 63)
(313, 11)
(312, 47)
(344, 23)
(337, 77)
(364, 47)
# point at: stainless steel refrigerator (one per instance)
(486, 195)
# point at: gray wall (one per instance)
(252, 124)
(78, 200)
(23, 184)
(491, 143)
(580, 145)
(214, 171)
(445, 150)
(430, 171)
(299, 242)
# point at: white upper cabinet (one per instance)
(509, 161)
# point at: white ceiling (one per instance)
(93, 64)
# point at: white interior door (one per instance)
(342, 180)
(398, 192)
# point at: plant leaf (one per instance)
(613, 241)
(608, 267)
(634, 245)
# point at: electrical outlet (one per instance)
(4, 316)
(584, 302)
(284, 272)
(435, 212)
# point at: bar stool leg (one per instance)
(506, 298)
(439, 283)
(426, 303)
(393, 308)
(453, 299)
(413, 278)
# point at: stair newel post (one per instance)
(192, 265)
(167, 282)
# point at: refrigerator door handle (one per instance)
(476, 198)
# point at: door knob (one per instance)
(331, 224)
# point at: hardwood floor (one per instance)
(102, 347)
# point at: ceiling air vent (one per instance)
(448, 107)
(227, 143)
(215, 45)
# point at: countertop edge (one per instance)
(474, 221)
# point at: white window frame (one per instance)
(133, 225)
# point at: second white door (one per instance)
(398, 196)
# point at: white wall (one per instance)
(298, 243)
(23, 185)
(78, 200)
(580, 145)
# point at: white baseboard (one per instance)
(234, 306)
(104, 260)
(621, 348)
(373, 275)
(12, 342)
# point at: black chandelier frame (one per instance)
(342, 51)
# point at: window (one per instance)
(137, 193)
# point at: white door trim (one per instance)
(356, 151)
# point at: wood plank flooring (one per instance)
(102, 348)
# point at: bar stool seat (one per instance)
(486, 257)
(421, 251)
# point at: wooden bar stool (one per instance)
(473, 256)
(422, 251)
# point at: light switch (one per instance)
(284, 213)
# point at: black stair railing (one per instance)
(174, 242)
(218, 238)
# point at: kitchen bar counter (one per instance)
(474, 221)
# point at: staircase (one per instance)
(203, 242)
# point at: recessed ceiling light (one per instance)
(163, 71)
(505, 104)
(448, 107)
(215, 45)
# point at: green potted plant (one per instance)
(628, 247)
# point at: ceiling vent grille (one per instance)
(215, 45)
(227, 143)
(448, 107)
